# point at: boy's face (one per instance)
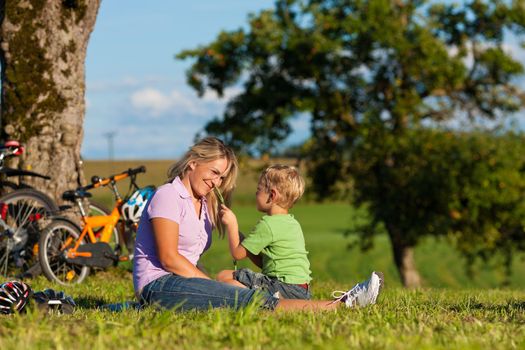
(263, 198)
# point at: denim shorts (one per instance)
(272, 285)
(182, 293)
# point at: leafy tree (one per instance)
(370, 74)
(487, 200)
(467, 185)
(42, 53)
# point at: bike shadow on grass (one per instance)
(96, 303)
(89, 302)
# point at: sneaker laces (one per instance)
(350, 295)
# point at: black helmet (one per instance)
(14, 296)
(51, 300)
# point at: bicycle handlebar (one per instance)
(98, 182)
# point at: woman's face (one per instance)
(204, 176)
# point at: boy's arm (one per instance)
(256, 259)
(237, 251)
(229, 220)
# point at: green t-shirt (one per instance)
(280, 240)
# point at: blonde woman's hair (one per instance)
(286, 180)
(207, 150)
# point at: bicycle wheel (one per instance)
(59, 236)
(23, 214)
(95, 209)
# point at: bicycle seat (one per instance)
(14, 147)
(73, 195)
(12, 143)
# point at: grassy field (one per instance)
(421, 319)
(450, 312)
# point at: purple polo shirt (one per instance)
(173, 202)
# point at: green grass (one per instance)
(402, 319)
(450, 312)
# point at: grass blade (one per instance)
(219, 194)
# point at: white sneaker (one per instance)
(362, 294)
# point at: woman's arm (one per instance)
(166, 233)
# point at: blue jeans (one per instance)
(258, 281)
(182, 293)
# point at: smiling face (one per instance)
(204, 176)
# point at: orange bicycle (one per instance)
(67, 252)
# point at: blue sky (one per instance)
(135, 87)
(137, 90)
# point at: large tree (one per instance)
(42, 53)
(369, 73)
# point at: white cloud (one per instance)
(156, 103)
(125, 83)
(228, 94)
(152, 100)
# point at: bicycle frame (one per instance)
(108, 222)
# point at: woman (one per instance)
(175, 229)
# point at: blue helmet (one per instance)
(132, 209)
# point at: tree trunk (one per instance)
(404, 259)
(42, 53)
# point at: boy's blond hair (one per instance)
(286, 180)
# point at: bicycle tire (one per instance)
(51, 254)
(22, 216)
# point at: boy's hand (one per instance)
(228, 218)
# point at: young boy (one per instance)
(276, 244)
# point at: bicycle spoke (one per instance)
(24, 208)
(24, 214)
(4, 260)
(55, 265)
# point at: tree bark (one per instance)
(42, 53)
(404, 259)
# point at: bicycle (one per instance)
(22, 215)
(68, 252)
(14, 149)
